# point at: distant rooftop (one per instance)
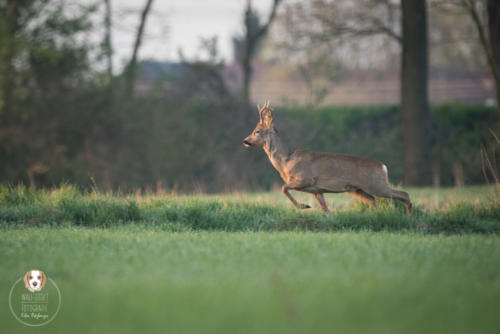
(154, 70)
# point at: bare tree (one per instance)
(344, 19)
(485, 16)
(254, 33)
(414, 96)
(131, 70)
(318, 70)
(493, 7)
(16, 16)
(108, 49)
(12, 13)
(406, 25)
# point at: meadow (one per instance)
(251, 263)
(447, 210)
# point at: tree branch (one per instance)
(263, 30)
(140, 32)
(368, 24)
(480, 26)
(107, 36)
(130, 71)
(357, 32)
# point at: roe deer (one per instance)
(318, 173)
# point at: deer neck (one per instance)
(277, 153)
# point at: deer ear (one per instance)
(267, 117)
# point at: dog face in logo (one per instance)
(34, 280)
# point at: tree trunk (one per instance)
(8, 70)
(252, 37)
(436, 174)
(414, 98)
(131, 70)
(247, 56)
(493, 9)
(107, 38)
(458, 174)
(8, 79)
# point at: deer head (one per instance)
(264, 129)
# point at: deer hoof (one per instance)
(304, 206)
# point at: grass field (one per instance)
(451, 211)
(242, 263)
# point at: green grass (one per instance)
(466, 210)
(130, 279)
(251, 263)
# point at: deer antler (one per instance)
(259, 108)
(266, 106)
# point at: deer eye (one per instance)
(258, 131)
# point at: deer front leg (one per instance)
(294, 185)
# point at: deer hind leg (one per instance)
(364, 197)
(405, 198)
(285, 191)
(321, 201)
(400, 195)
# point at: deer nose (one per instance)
(246, 143)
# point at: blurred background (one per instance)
(157, 95)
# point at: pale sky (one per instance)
(175, 24)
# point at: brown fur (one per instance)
(319, 172)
